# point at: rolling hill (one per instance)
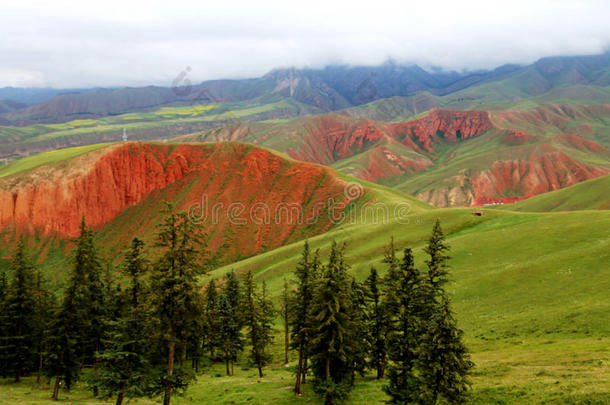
(248, 198)
(588, 195)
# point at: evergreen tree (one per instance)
(85, 295)
(123, 363)
(19, 317)
(333, 331)
(437, 250)
(3, 293)
(63, 360)
(285, 313)
(404, 342)
(376, 324)
(300, 336)
(255, 323)
(265, 316)
(357, 315)
(211, 322)
(44, 303)
(443, 362)
(231, 321)
(177, 304)
(391, 301)
(444, 359)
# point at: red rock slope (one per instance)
(251, 189)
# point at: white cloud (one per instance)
(110, 43)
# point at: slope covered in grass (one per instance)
(31, 162)
(588, 195)
(529, 290)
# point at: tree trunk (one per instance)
(95, 372)
(170, 371)
(297, 385)
(227, 355)
(56, 388)
(260, 370)
(327, 399)
(197, 366)
(121, 395)
(286, 343)
(17, 377)
(381, 368)
(232, 368)
(304, 369)
(39, 367)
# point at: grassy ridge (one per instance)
(588, 195)
(46, 158)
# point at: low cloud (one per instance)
(118, 43)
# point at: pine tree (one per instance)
(357, 315)
(177, 304)
(44, 303)
(266, 315)
(285, 313)
(437, 263)
(123, 363)
(85, 289)
(376, 324)
(76, 328)
(211, 322)
(404, 337)
(391, 301)
(253, 319)
(444, 359)
(333, 332)
(63, 360)
(229, 314)
(300, 336)
(19, 318)
(3, 293)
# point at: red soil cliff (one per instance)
(101, 185)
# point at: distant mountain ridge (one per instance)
(328, 89)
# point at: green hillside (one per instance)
(530, 291)
(588, 195)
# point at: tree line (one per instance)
(145, 333)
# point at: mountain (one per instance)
(328, 89)
(244, 195)
(448, 157)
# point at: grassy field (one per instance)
(46, 158)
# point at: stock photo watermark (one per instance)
(346, 209)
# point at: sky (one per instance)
(77, 44)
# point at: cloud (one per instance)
(116, 43)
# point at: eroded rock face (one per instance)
(102, 185)
(450, 126)
(53, 200)
(507, 181)
(513, 180)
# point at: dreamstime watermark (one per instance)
(197, 96)
(344, 209)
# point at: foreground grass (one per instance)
(555, 370)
